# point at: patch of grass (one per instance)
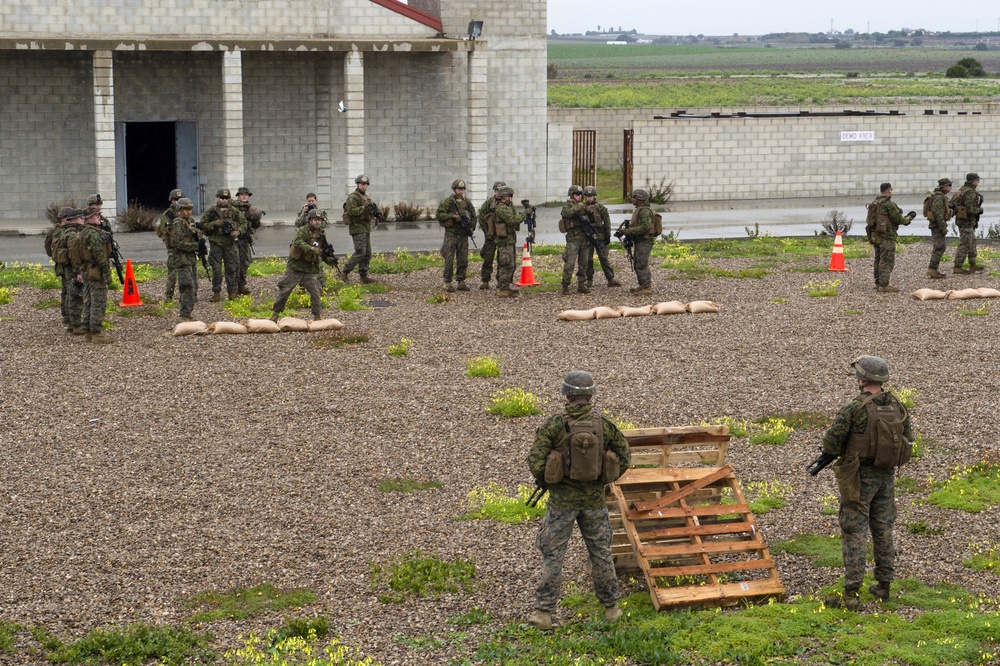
(300, 300)
(345, 337)
(907, 484)
(972, 488)
(514, 403)
(831, 505)
(416, 643)
(495, 502)
(825, 550)
(349, 298)
(46, 304)
(853, 312)
(401, 348)
(8, 631)
(806, 269)
(244, 307)
(779, 300)
(620, 423)
(473, 617)
(772, 430)
(821, 288)
(765, 496)
(969, 311)
(402, 485)
(418, 575)
(16, 274)
(242, 602)
(800, 420)
(438, 298)
(134, 645)
(482, 366)
(147, 272)
(907, 396)
(546, 250)
(985, 557)
(921, 445)
(302, 627)
(402, 261)
(7, 295)
(921, 528)
(266, 266)
(737, 427)
(306, 650)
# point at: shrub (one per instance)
(836, 221)
(349, 298)
(407, 212)
(973, 66)
(134, 645)
(853, 75)
(6, 295)
(773, 431)
(385, 210)
(764, 496)
(841, 44)
(52, 210)
(552, 72)
(957, 72)
(419, 575)
(286, 651)
(821, 288)
(660, 193)
(137, 218)
(514, 403)
(482, 366)
(400, 348)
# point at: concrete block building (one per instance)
(131, 98)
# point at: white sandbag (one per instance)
(293, 324)
(575, 315)
(669, 307)
(261, 326)
(227, 327)
(325, 325)
(928, 294)
(606, 313)
(696, 307)
(988, 292)
(963, 294)
(635, 312)
(189, 328)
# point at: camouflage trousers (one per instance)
(95, 303)
(455, 250)
(938, 246)
(186, 274)
(224, 260)
(966, 245)
(875, 511)
(575, 257)
(602, 254)
(73, 292)
(289, 281)
(488, 253)
(643, 248)
(171, 287)
(362, 254)
(245, 253)
(505, 265)
(885, 261)
(552, 541)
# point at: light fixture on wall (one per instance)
(475, 29)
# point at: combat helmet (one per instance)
(872, 368)
(497, 185)
(175, 195)
(574, 189)
(223, 193)
(578, 382)
(458, 184)
(67, 213)
(244, 190)
(590, 191)
(971, 177)
(640, 194)
(95, 200)
(184, 203)
(362, 180)
(506, 192)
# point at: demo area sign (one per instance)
(857, 136)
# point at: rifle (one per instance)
(375, 212)
(822, 461)
(587, 226)
(538, 494)
(203, 254)
(116, 254)
(466, 223)
(627, 242)
(529, 222)
(329, 253)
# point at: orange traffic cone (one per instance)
(527, 270)
(130, 294)
(837, 258)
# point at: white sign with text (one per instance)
(866, 135)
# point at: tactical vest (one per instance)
(635, 218)
(882, 442)
(79, 252)
(489, 221)
(581, 455)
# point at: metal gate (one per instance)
(585, 157)
(627, 165)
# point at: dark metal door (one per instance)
(585, 157)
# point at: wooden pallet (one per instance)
(695, 549)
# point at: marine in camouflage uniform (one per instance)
(572, 501)
(184, 246)
(76, 290)
(223, 253)
(96, 272)
(882, 236)
(507, 222)
(55, 247)
(312, 203)
(578, 245)
(940, 213)
(358, 216)
(874, 507)
(163, 231)
(489, 249)
(602, 221)
(305, 257)
(244, 245)
(968, 207)
(641, 230)
(455, 248)
(95, 201)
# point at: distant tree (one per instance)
(554, 33)
(624, 37)
(878, 37)
(841, 44)
(899, 43)
(957, 72)
(736, 34)
(917, 41)
(981, 47)
(619, 28)
(849, 31)
(598, 28)
(973, 66)
(552, 71)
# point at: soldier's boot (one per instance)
(462, 286)
(484, 285)
(507, 293)
(976, 268)
(216, 296)
(590, 283)
(613, 282)
(959, 270)
(880, 590)
(540, 619)
(245, 290)
(582, 289)
(934, 273)
(565, 290)
(447, 286)
(88, 335)
(100, 338)
(888, 289)
(79, 330)
(366, 280)
(230, 295)
(344, 276)
(850, 599)
(643, 291)
(612, 613)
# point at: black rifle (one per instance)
(588, 229)
(228, 228)
(539, 493)
(116, 254)
(466, 223)
(329, 252)
(627, 242)
(822, 462)
(529, 222)
(203, 254)
(376, 213)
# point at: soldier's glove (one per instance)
(316, 249)
(234, 234)
(911, 214)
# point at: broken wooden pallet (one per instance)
(695, 550)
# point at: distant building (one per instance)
(616, 42)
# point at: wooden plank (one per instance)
(641, 477)
(715, 567)
(700, 510)
(676, 496)
(717, 595)
(650, 551)
(714, 528)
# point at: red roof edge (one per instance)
(411, 13)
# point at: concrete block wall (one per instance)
(560, 154)
(46, 131)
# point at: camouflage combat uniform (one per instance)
(580, 502)
(455, 248)
(73, 282)
(602, 221)
(304, 267)
(941, 212)
(640, 229)
(244, 245)
(510, 220)
(968, 210)
(96, 271)
(61, 264)
(163, 231)
(358, 217)
(885, 244)
(184, 244)
(489, 249)
(875, 510)
(223, 254)
(578, 246)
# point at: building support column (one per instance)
(232, 121)
(354, 100)
(477, 176)
(104, 130)
(325, 110)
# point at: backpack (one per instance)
(79, 253)
(582, 455)
(928, 212)
(883, 440)
(657, 224)
(49, 242)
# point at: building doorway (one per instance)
(153, 158)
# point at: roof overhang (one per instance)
(435, 45)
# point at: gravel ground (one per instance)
(136, 474)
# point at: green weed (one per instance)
(438, 298)
(425, 642)
(243, 307)
(514, 403)
(243, 602)
(6, 295)
(266, 266)
(302, 627)
(921, 528)
(300, 300)
(495, 502)
(907, 396)
(853, 312)
(349, 298)
(401, 348)
(46, 304)
(16, 274)
(132, 646)
(620, 423)
(921, 445)
(984, 557)
(764, 496)
(825, 550)
(831, 505)
(293, 650)
(737, 427)
(907, 484)
(546, 250)
(800, 420)
(419, 575)
(482, 366)
(779, 300)
(147, 272)
(968, 311)
(8, 631)
(772, 431)
(474, 616)
(972, 488)
(406, 485)
(340, 339)
(821, 288)
(402, 261)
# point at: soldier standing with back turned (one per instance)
(598, 212)
(91, 251)
(882, 235)
(487, 214)
(937, 219)
(968, 208)
(506, 223)
(641, 229)
(163, 231)
(244, 245)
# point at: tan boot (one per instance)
(851, 600)
(366, 280)
(934, 273)
(959, 270)
(274, 317)
(484, 286)
(612, 613)
(643, 291)
(565, 291)
(976, 268)
(540, 619)
(79, 330)
(100, 338)
(447, 286)
(462, 286)
(344, 277)
(612, 282)
(245, 290)
(888, 289)
(880, 591)
(582, 289)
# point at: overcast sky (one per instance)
(724, 17)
